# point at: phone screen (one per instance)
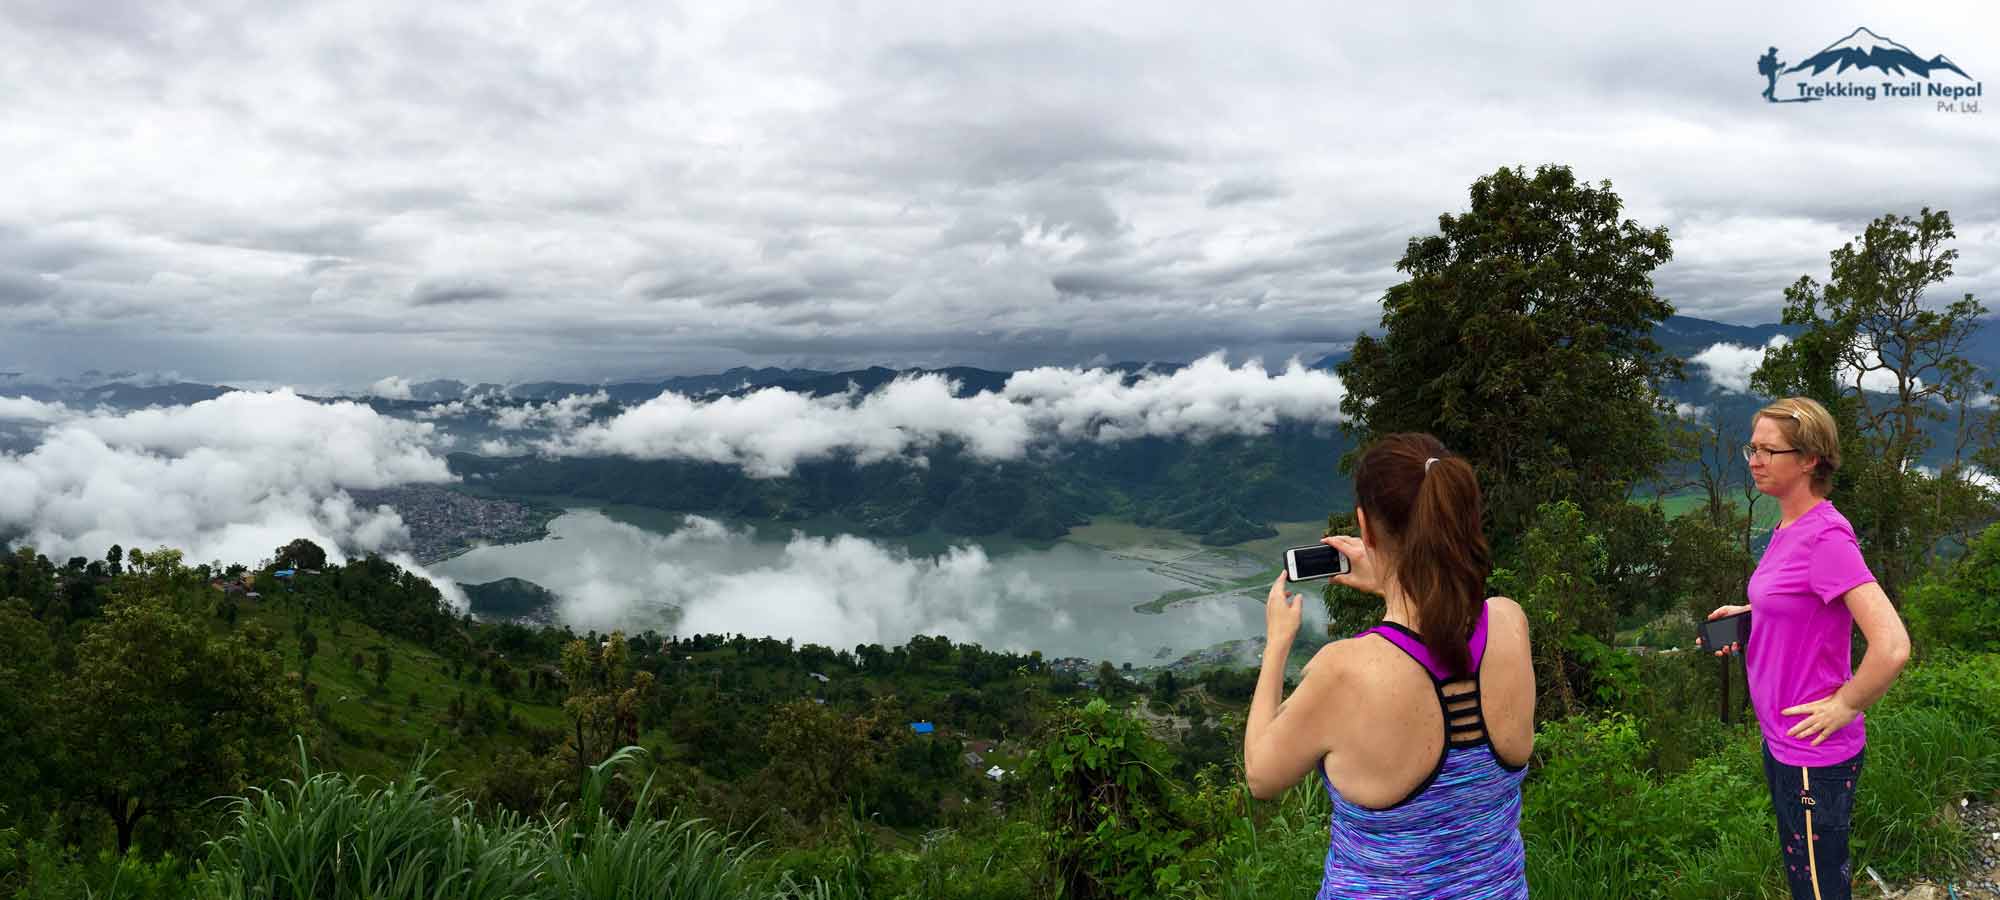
(1316, 561)
(1727, 630)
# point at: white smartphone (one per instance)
(1316, 561)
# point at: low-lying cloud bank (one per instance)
(769, 432)
(227, 479)
(30, 410)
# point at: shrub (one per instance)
(1117, 824)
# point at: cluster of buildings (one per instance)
(443, 522)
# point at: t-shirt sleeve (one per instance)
(1836, 566)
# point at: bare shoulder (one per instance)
(1355, 663)
(1505, 612)
(1342, 660)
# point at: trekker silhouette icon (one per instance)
(1769, 67)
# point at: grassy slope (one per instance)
(379, 733)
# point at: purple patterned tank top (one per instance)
(1457, 836)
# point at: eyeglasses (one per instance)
(1751, 452)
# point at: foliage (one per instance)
(1557, 587)
(328, 836)
(1116, 824)
(299, 554)
(162, 715)
(819, 757)
(1960, 608)
(1522, 341)
(26, 676)
(1887, 364)
(606, 698)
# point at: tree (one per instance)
(1887, 364)
(1109, 682)
(1961, 607)
(308, 648)
(299, 554)
(1522, 340)
(161, 715)
(819, 757)
(25, 682)
(1703, 565)
(606, 698)
(1557, 586)
(382, 664)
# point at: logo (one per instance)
(1905, 75)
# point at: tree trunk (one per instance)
(579, 757)
(125, 815)
(1723, 670)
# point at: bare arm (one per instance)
(1888, 646)
(1284, 741)
(1888, 650)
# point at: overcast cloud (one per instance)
(265, 193)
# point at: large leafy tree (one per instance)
(1890, 365)
(299, 554)
(1522, 340)
(162, 714)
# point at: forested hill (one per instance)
(1223, 490)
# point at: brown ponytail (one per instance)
(1431, 511)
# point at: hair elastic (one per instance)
(1428, 462)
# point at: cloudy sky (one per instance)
(331, 194)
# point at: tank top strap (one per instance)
(1412, 644)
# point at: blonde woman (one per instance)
(1810, 590)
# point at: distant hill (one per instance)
(133, 396)
(511, 598)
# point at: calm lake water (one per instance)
(637, 569)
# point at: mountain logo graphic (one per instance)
(1859, 51)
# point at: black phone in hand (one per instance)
(1719, 633)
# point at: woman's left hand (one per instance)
(1282, 610)
(1822, 718)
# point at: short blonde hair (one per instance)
(1810, 429)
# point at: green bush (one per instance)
(1961, 607)
(1118, 825)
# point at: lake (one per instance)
(634, 569)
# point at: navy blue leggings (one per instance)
(1815, 808)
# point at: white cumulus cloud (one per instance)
(28, 409)
(770, 431)
(1730, 366)
(225, 479)
(563, 414)
(394, 387)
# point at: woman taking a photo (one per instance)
(1810, 590)
(1420, 728)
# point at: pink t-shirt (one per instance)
(1801, 633)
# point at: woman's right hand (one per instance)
(1719, 612)
(1362, 574)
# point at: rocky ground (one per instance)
(1982, 880)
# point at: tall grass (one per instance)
(328, 837)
